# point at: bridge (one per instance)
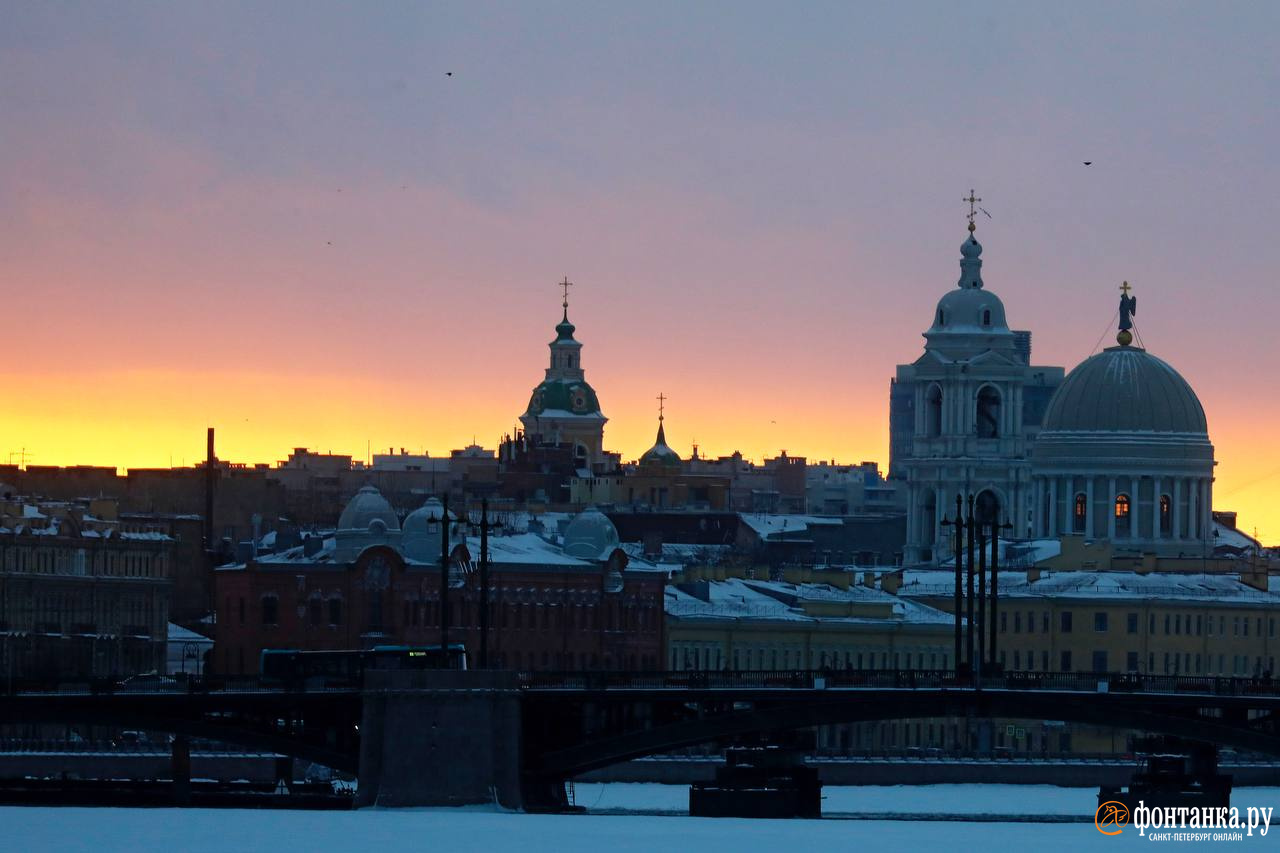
(442, 737)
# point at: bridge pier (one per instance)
(180, 769)
(440, 738)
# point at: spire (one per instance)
(662, 436)
(565, 329)
(971, 249)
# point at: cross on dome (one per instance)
(662, 399)
(973, 210)
(566, 284)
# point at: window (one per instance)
(1079, 513)
(1004, 622)
(1017, 622)
(933, 411)
(1100, 621)
(270, 610)
(335, 611)
(1132, 623)
(1166, 515)
(1177, 623)
(1065, 622)
(1099, 661)
(1131, 662)
(942, 317)
(986, 316)
(988, 413)
(316, 611)
(241, 611)
(1066, 661)
(1122, 515)
(1044, 623)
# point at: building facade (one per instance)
(82, 595)
(966, 401)
(556, 601)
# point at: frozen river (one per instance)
(80, 830)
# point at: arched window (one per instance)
(986, 316)
(986, 509)
(1079, 513)
(988, 412)
(1122, 515)
(933, 411)
(942, 318)
(1166, 515)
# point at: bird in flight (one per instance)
(1088, 162)
(448, 73)
(984, 210)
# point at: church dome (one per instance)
(368, 510)
(970, 311)
(971, 248)
(564, 396)
(1124, 389)
(590, 535)
(660, 454)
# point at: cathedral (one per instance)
(1118, 450)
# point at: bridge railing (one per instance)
(1093, 682)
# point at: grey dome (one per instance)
(420, 536)
(590, 535)
(368, 506)
(1124, 389)
(963, 310)
(971, 248)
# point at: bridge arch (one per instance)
(1138, 712)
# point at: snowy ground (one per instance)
(73, 830)
(900, 799)
(79, 830)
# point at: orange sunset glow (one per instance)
(322, 241)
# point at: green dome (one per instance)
(574, 396)
(660, 454)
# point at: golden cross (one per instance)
(662, 399)
(1125, 288)
(973, 200)
(566, 284)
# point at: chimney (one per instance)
(209, 472)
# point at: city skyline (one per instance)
(323, 230)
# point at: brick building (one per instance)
(571, 601)
(83, 594)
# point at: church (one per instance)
(1116, 450)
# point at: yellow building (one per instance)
(1047, 621)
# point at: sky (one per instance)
(341, 226)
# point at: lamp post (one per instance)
(982, 596)
(995, 582)
(444, 578)
(485, 526)
(958, 553)
(971, 527)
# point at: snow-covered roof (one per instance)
(1224, 589)
(776, 527)
(737, 599)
